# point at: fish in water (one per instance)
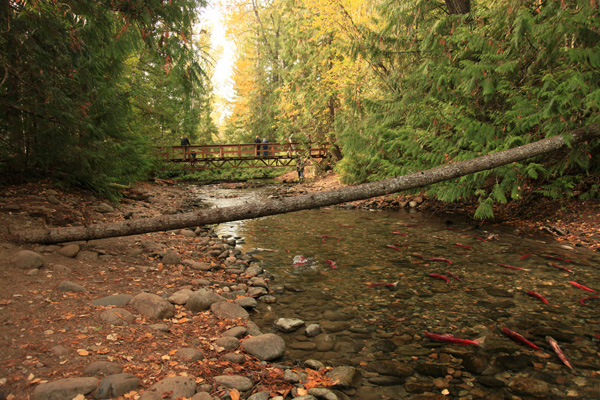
(441, 259)
(391, 246)
(563, 268)
(346, 226)
(453, 340)
(557, 258)
(400, 233)
(524, 256)
(558, 351)
(331, 263)
(464, 246)
(382, 284)
(454, 276)
(584, 299)
(539, 296)
(511, 267)
(518, 337)
(440, 276)
(300, 260)
(580, 286)
(418, 256)
(480, 238)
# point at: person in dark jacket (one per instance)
(185, 142)
(265, 147)
(257, 142)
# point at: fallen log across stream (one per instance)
(304, 202)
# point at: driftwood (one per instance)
(310, 201)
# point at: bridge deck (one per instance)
(248, 155)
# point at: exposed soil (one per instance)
(48, 334)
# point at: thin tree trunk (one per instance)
(458, 6)
(315, 200)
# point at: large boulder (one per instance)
(265, 347)
(27, 259)
(153, 306)
(67, 388)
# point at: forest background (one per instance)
(88, 88)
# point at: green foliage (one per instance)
(458, 87)
(79, 78)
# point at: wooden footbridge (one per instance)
(249, 155)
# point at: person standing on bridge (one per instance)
(265, 147)
(185, 142)
(300, 168)
(257, 149)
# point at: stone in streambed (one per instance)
(265, 347)
(288, 324)
(345, 376)
(66, 286)
(102, 368)
(189, 354)
(529, 387)
(152, 306)
(173, 388)
(116, 385)
(392, 368)
(117, 300)
(238, 382)
(117, 316)
(27, 259)
(181, 297)
(201, 300)
(227, 310)
(69, 250)
(67, 388)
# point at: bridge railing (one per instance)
(239, 151)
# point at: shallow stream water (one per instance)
(365, 277)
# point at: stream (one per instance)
(376, 281)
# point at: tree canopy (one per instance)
(87, 87)
(401, 87)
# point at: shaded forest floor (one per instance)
(52, 334)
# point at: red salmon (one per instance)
(580, 286)
(379, 284)
(451, 339)
(563, 268)
(584, 299)
(557, 258)
(558, 351)
(393, 247)
(464, 246)
(519, 338)
(454, 276)
(331, 263)
(440, 276)
(524, 256)
(511, 267)
(441, 259)
(539, 296)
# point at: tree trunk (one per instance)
(315, 200)
(458, 6)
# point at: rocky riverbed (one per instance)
(169, 315)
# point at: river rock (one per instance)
(529, 387)
(330, 315)
(312, 330)
(181, 297)
(335, 326)
(67, 388)
(102, 368)
(238, 382)
(104, 208)
(117, 316)
(392, 368)
(202, 396)
(117, 300)
(153, 306)
(66, 286)
(257, 291)
(314, 364)
(234, 358)
(266, 395)
(288, 324)
(87, 256)
(236, 331)
(69, 250)
(516, 362)
(326, 394)
(430, 369)
(228, 342)
(476, 363)
(345, 376)
(198, 265)
(189, 354)
(246, 302)
(171, 257)
(265, 347)
(27, 259)
(227, 310)
(116, 385)
(171, 388)
(201, 300)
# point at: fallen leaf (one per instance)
(234, 394)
